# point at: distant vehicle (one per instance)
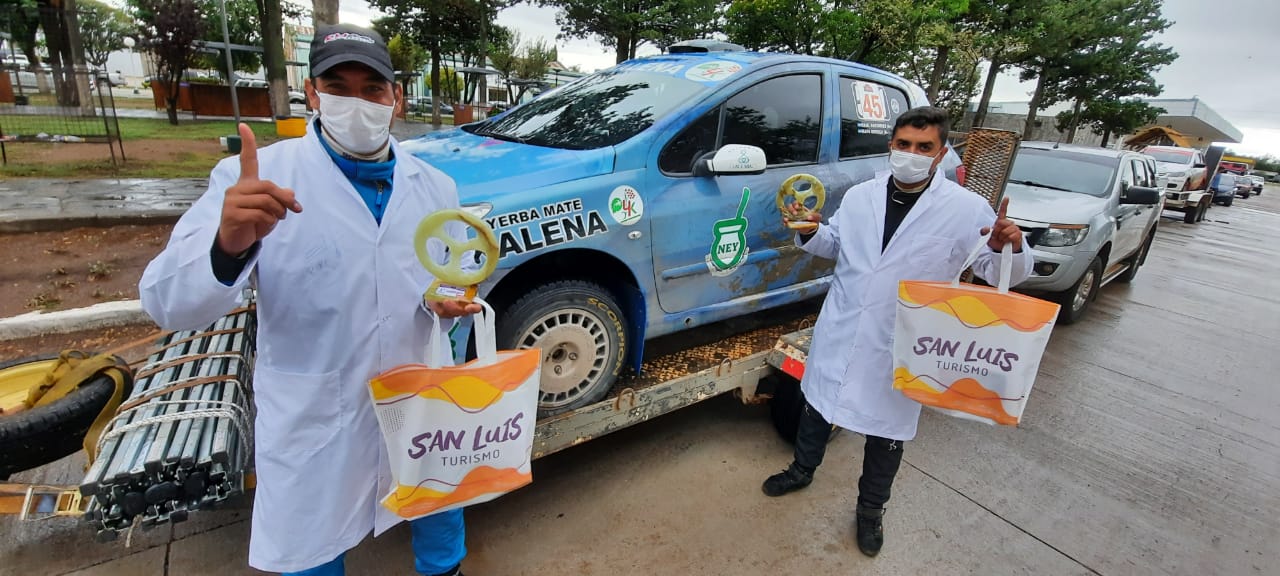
(1258, 183)
(112, 79)
(251, 83)
(1186, 178)
(1244, 186)
(1090, 215)
(296, 97)
(422, 105)
(1224, 188)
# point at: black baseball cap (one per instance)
(336, 44)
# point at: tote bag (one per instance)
(458, 435)
(970, 351)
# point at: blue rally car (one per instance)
(641, 200)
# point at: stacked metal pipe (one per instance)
(182, 441)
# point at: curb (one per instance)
(59, 223)
(104, 315)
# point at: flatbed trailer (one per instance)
(738, 359)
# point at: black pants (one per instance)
(880, 461)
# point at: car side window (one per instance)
(1140, 177)
(782, 116)
(867, 113)
(1126, 175)
(697, 139)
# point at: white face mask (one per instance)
(356, 124)
(910, 168)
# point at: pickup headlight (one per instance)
(1059, 235)
(1177, 174)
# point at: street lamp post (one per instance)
(226, 46)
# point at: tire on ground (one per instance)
(785, 407)
(567, 314)
(41, 435)
(1069, 314)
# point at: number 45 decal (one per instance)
(870, 101)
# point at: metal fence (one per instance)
(50, 98)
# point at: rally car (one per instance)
(640, 200)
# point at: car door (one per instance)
(868, 109)
(720, 238)
(1130, 224)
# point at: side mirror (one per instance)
(1140, 195)
(731, 159)
(1198, 165)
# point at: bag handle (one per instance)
(1006, 263)
(486, 333)
(486, 338)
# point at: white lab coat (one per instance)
(339, 301)
(849, 373)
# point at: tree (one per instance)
(167, 31)
(324, 12)
(533, 64)
(440, 26)
(243, 26)
(1107, 117)
(60, 22)
(405, 57)
(1095, 50)
(103, 30)
(505, 55)
(1002, 28)
(627, 24)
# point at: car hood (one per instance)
(485, 167)
(1167, 167)
(1035, 204)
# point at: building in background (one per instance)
(1196, 124)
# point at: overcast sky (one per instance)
(1227, 58)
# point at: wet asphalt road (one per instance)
(1151, 445)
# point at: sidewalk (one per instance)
(28, 205)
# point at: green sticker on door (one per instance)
(729, 245)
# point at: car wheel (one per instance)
(1191, 214)
(1076, 300)
(1228, 201)
(1138, 259)
(37, 436)
(583, 336)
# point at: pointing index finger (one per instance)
(248, 153)
(1004, 209)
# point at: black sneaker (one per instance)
(870, 530)
(789, 480)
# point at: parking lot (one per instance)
(1151, 445)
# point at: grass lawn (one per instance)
(153, 148)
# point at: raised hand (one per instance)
(801, 219)
(1004, 231)
(252, 207)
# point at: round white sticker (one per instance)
(713, 71)
(625, 205)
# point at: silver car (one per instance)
(1089, 214)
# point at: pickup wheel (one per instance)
(1191, 214)
(583, 336)
(1138, 259)
(1228, 201)
(1076, 300)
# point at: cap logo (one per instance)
(348, 36)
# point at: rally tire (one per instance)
(1076, 300)
(1191, 215)
(583, 335)
(38, 436)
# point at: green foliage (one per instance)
(626, 24)
(244, 25)
(1111, 117)
(406, 56)
(102, 30)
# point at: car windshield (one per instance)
(597, 111)
(1065, 171)
(1169, 156)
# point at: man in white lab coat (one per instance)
(908, 224)
(339, 301)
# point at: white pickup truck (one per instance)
(1187, 187)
